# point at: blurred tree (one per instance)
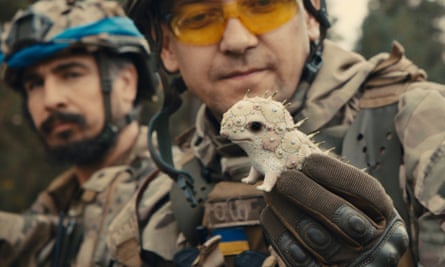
(417, 24)
(8, 8)
(24, 169)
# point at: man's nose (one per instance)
(237, 38)
(54, 95)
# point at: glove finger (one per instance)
(289, 249)
(359, 188)
(327, 207)
(289, 232)
(330, 241)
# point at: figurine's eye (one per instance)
(255, 126)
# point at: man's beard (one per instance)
(86, 152)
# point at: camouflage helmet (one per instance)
(50, 27)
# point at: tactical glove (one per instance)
(331, 213)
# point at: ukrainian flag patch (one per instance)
(233, 240)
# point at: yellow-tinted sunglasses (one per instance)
(203, 23)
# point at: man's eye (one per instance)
(259, 6)
(199, 20)
(31, 85)
(71, 75)
(255, 126)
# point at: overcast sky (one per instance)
(350, 15)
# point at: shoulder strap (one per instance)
(189, 218)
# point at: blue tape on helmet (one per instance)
(114, 26)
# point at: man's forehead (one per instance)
(54, 62)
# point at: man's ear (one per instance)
(168, 55)
(313, 27)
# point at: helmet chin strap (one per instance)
(110, 128)
(161, 148)
(313, 63)
(314, 60)
(321, 15)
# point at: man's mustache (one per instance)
(61, 117)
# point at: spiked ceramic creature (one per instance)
(265, 130)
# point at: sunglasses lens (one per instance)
(261, 16)
(198, 23)
(204, 23)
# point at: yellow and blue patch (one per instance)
(233, 240)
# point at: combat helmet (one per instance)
(49, 27)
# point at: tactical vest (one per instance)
(370, 142)
(230, 209)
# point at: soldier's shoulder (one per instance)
(392, 76)
(128, 227)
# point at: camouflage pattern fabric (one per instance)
(332, 102)
(421, 130)
(146, 223)
(30, 239)
(22, 235)
(84, 12)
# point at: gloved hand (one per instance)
(331, 213)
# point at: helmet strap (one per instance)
(321, 15)
(161, 147)
(111, 127)
(314, 61)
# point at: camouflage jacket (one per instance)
(87, 234)
(347, 84)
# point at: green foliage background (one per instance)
(25, 170)
(417, 24)
(22, 160)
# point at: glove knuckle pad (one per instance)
(292, 252)
(355, 225)
(317, 238)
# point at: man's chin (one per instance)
(81, 153)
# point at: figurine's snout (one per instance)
(223, 132)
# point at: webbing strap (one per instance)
(191, 189)
(190, 217)
(162, 154)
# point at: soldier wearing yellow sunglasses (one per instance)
(370, 112)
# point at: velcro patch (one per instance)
(232, 212)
